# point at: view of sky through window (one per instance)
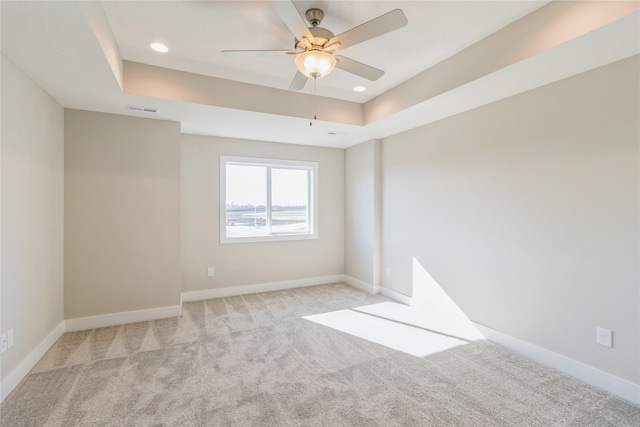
(250, 187)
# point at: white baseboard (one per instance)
(396, 296)
(372, 289)
(21, 371)
(259, 287)
(360, 284)
(92, 322)
(614, 385)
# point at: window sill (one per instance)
(265, 239)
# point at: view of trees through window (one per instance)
(264, 200)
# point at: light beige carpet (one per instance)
(254, 361)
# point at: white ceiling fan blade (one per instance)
(298, 81)
(253, 53)
(374, 28)
(358, 68)
(291, 17)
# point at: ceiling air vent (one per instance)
(144, 109)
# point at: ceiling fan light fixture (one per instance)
(315, 63)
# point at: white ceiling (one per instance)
(198, 31)
(65, 47)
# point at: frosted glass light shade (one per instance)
(315, 63)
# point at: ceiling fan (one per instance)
(315, 46)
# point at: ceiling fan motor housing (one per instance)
(320, 37)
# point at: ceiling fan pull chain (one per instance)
(315, 88)
(312, 90)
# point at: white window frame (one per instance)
(312, 167)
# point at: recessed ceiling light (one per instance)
(360, 88)
(159, 47)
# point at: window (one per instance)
(267, 199)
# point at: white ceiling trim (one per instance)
(579, 55)
(432, 95)
(99, 23)
(69, 49)
(545, 29)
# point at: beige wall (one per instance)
(362, 212)
(526, 213)
(122, 203)
(254, 263)
(32, 176)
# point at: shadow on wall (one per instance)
(432, 323)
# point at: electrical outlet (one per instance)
(604, 337)
(10, 338)
(388, 271)
(3, 343)
(210, 272)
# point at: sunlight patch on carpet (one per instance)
(396, 326)
(444, 323)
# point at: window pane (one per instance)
(246, 204)
(290, 201)
(263, 200)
